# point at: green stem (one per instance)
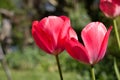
(118, 41)
(116, 32)
(92, 72)
(59, 68)
(116, 69)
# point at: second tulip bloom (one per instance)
(95, 38)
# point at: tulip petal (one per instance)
(104, 45)
(45, 33)
(117, 11)
(65, 26)
(53, 25)
(56, 24)
(66, 30)
(44, 42)
(72, 34)
(116, 2)
(63, 33)
(92, 36)
(77, 51)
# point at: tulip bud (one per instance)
(111, 8)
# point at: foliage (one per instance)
(7, 4)
(79, 16)
(36, 61)
(38, 75)
(27, 59)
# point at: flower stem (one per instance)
(59, 68)
(116, 32)
(116, 69)
(118, 41)
(92, 72)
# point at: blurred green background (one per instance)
(23, 58)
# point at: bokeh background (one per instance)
(22, 59)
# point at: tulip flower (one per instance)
(111, 8)
(51, 33)
(95, 38)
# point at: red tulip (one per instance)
(51, 33)
(111, 8)
(95, 38)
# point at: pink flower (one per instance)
(95, 38)
(51, 33)
(111, 8)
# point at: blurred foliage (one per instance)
(24, 58)
(37, 61)
(7, 4)
(78, 15)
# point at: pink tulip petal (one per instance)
(72, 33)
(104, 45)
(64, 30)
(41, 43)
(44, 26)
(54, 25)
(77, 51)
(65, 26)
(44, 42)
(117, 10)
(92, 36)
